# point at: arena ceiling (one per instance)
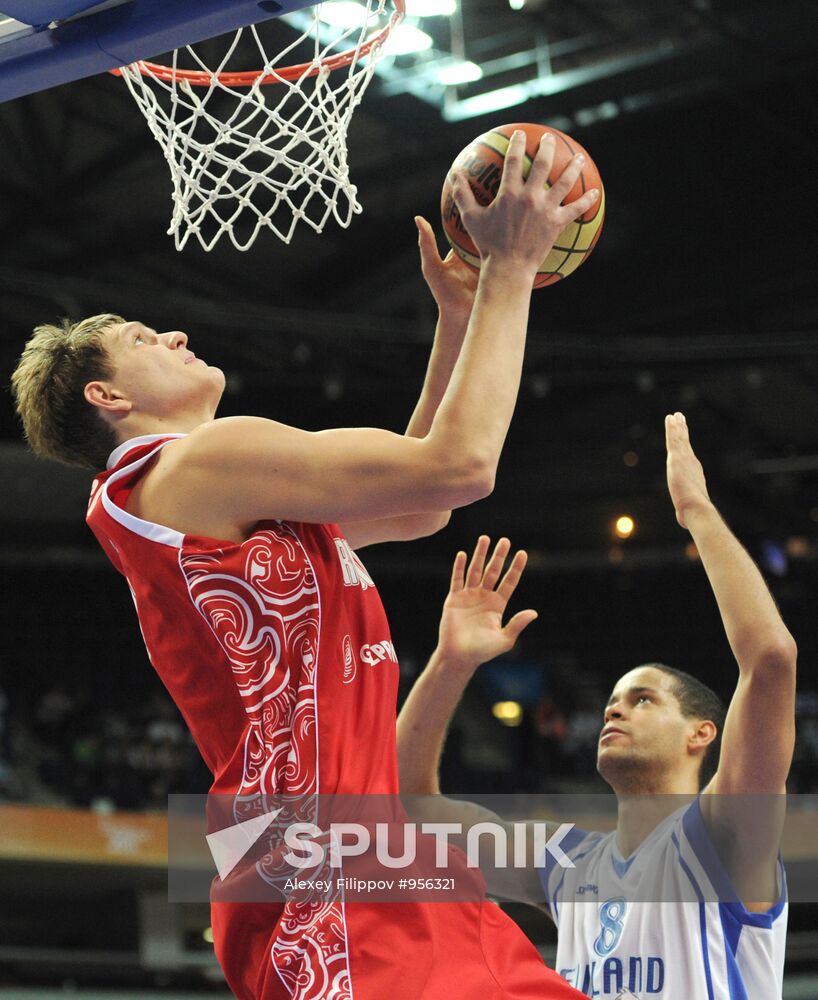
(701, 295)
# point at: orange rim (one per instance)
(201, 78)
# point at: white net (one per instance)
(267, 149)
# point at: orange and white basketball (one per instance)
(483, 161)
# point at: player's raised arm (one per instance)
(471, 633)
(759, 730)
(269, 471)
(453, 285)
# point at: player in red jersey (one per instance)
(256, 612)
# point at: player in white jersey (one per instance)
(686, 899)
(692, 938)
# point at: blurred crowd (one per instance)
(68, 750)
(65, 749)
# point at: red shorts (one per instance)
(387, 951)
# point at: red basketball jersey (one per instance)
(278, 654)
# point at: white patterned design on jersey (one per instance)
(267, 621)
(348, 659)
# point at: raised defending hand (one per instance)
(471, 627)
(685, 475)
(525, 219)
(450, 281)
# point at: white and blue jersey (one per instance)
(708, 948)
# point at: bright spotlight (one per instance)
(624, 526)
(343, 14)
(406, 39)
(459, 72)
(510, 713)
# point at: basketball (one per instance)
(483, 161)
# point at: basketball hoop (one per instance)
(244, 157)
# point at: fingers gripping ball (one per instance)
(483, 161)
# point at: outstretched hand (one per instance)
(451, 282)
(523, 222)
(685, 475)
(471, 627)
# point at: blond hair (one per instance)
(48, 387)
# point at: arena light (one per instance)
(798, 547)
(343, 14)
(455, 73)
(624, 526)
(484, 104)
(430, 8)
(407, 39)
(510, 713)
(549, 84)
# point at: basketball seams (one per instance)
(492, 147)
(569, 251)
(582, 221)
(482, 141)
(503, 148)
(572, 251)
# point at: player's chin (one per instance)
(217, 376)
(612, 755)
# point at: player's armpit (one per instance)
(248, 469)
(394, 529)
(745, 833)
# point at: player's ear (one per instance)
(104, 397)
(703, 734)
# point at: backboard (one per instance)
(44, 43)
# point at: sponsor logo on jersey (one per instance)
(588, 887)
(350, 663)
(377, 652)
(355, 574)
